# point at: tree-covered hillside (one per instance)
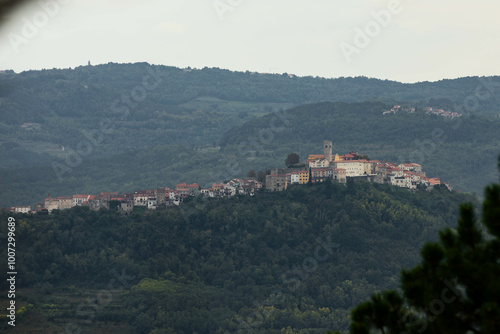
(300, 259)
(454, 289)
(43, 111)
(102, 124)
(177, 86)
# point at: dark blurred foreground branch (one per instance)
(7, 6)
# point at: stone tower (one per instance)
(160, 196)
(327, 150)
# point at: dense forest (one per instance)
(454, 289)
(273, 263)
(124, 127)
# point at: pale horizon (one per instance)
(397, 40)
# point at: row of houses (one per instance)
(281, 179)
(402, 175)
(149, 199)
(428, 110)
(317, 168)
(326, 166)
(397, 108)
(406, 175)
(441, 112)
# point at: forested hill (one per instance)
(87, 90)
(102, 123)
(299, 259)
(461, 151)
(44, 111)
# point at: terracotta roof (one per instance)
(355, 161)
(145, 192)
(184, 185)
(434, 181)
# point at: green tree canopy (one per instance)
(292, 159)
(251, 174)
(455, 289)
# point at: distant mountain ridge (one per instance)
(182, 85)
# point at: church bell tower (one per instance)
(327, 150)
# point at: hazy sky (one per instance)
(399, 40)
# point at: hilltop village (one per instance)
(317, 168)
(428, 111)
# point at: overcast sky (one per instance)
(408, 41)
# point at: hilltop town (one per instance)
(428, 111)
(318, 168)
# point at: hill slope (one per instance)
(44, 111)
(299, 259)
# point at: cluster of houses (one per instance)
(428, 111)
(397, 108)
(326, 166)
(149, 199)
(441, 112)
(317, 168)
